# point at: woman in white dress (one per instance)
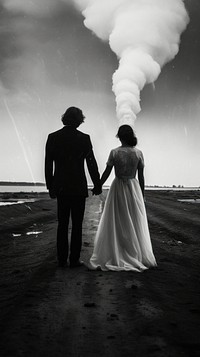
(122, 240)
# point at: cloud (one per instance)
(36, 7)
(144, 34)
(34, 40)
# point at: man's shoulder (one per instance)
(83, 135)
(55, 133)
(83, 138)
(75, 136)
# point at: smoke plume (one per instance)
(144, 34)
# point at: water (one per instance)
(18, 189)
(17, 202)
(190, 200)
(40, 189)
(172, 188)
(23, 189)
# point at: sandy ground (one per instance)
(49, 311)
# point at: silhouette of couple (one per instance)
(122, 241)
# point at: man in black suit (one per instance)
(66, 151)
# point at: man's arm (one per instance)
(49, 168)
(94, 173)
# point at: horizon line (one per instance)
(38, 183)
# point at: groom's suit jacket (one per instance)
(66, 151)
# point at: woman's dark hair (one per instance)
(73, 117)
(126, 134)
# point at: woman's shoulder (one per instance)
(140, 156)
(114, 150)
(138, 151)
(127, 149)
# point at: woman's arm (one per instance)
(141, 178)
(106, 174)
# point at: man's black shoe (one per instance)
(62, 265)
(77, 264)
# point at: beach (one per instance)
(54, 312)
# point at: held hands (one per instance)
(96, 190)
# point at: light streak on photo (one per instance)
(19, 139)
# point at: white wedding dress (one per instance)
(122, 240)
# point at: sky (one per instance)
(49, 60)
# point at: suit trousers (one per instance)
(74, 206)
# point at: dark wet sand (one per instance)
(47, 311)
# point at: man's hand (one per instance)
(52, 193)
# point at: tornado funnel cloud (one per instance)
(136, 68)
(144, 34)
